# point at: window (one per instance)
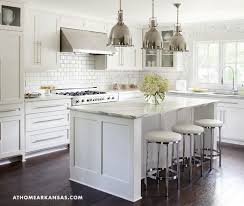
(213, 58)
(207, 58)
(234, 57)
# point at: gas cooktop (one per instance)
(85, 96)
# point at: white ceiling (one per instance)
(138, 11)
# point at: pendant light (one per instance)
(177, 42)
(120, 35)
(152, 38)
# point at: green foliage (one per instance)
(153, 85)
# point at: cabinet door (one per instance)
(10, 66)
(114, 61)
(48, 40)
(10, 143)
(41, 41)
(233, 129)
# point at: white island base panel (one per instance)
(107, 152)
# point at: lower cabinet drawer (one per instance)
(43, 140)
(45, 121)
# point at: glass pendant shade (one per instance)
(120, 34)
(177, 43)
(152, 38)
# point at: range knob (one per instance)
(77, 101)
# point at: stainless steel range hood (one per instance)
(78, 41)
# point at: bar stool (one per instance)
(191, 131)
(165, 138)
(211, 124)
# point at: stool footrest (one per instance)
(216, 153)
(152, 173)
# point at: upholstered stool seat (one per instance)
(188, 129)
(163, 137)
(209, 123)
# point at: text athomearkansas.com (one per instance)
(47, 197)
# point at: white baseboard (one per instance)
(44, 152)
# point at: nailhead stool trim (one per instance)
(211, 124)
(166, 138)
(191, 130)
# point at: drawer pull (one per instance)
(43, 107)
(10, 110)
(41, 140)
(44, 121)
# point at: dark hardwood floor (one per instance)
(48, 175)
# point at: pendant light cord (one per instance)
(120, 5)
(177, 15)
(153, 9)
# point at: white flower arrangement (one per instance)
(154, 88)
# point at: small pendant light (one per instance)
(152, 39)
(177, 43)
(120, 35)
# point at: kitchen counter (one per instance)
(207, 94)
(138, 108)
(47, 98)
(107, 147)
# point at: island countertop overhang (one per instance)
(139, 108)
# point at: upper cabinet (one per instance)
(128, 58)
(42, 34)
(11, 84)
(11, 17)
(162, 58)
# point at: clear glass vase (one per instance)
(155, 99)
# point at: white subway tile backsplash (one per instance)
(79, 71)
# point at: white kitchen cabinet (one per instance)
(232, 117)
(10, 138)
(47, 124)
(11, 76)
(42, 34)
(11, 131)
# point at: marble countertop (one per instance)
(47, 98)
(138, 107)
(207, 94)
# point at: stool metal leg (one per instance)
(167, 170)
(158, 162)
(220, 153)
(203, 142)
(202, 152)
(190, 162)
(173, 154)
(184, 149)
(145, 180)
(194, 148)
(211, 149)
(178, 166)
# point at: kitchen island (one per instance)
(107, 140)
